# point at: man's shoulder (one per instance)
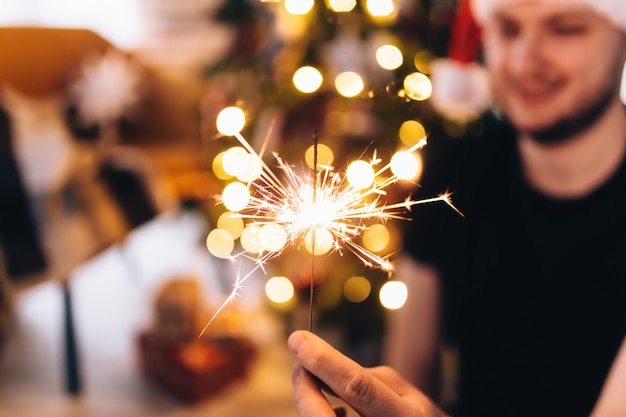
(484, 151)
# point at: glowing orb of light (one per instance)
(411, 132)
(231, 160)
(272, 237)
(405, 165)
(360, 175)
(323, 241)
(298, 6)
(307, 79)
(349, 84)
(230, 120)
(325, 156)
(393, 295)
(279, 289)
(418, 86)
(235, 196)
(376, 237)
(342, 5)
(231, 223)
(250, 168)
(357, 289)
(218, 167)
(389, 57)
(220, 243)
(423, 61)
(250, 240)
(380, 8)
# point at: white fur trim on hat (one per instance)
(614, 10)
(460, 91)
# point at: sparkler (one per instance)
(323, 208)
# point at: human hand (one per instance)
(372, 392)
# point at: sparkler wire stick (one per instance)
(313, 231)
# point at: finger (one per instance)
(355, 385)
(309, 400)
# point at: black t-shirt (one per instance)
(534, 288)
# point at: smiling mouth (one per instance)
(536, 93)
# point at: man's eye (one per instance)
(569, 29)
(509, 30)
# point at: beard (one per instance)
(570, 125)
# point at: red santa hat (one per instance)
(461, 89)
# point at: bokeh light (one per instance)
(357, 289)
(389, 57)
(298, 6)
(342, 5)
(393, 295)
(250, 239)
(230, 120)
(349, 84)
(220, 243)
(218, 167)
(230, 222)
(272, 237)
(423, 61)
(231, 160)
(411, 132)
(279, 289)
(325, 156)
(307, 79)
(360, 174)
(380, 8)
(323, 241)
(250, 168)
(418, 86)
(235, 196)
(405, 165)
(376, 237)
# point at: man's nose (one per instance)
(527, 54)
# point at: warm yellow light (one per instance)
(342, 5)
(307, 79)
(323, 241)
(230, 222)
(231, 160)
(411, 132)
(299, 6)
(423, 61)
(279, 289)
(380, 8)
(220, 243)
(418, 86)
(235, 196)
(360, 175)
(250, 239)
(393, 295)
(357, 289)
(389, 57)
(230, 120)
(325, 156)
(349, 84)
(376, 237)
(250, 168)
(405, 165)
(272, 237)
(218, 167)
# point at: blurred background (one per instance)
(112, 164)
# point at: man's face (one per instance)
(555, 68)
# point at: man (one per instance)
(532, 280)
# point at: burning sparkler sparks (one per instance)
(322, 209)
